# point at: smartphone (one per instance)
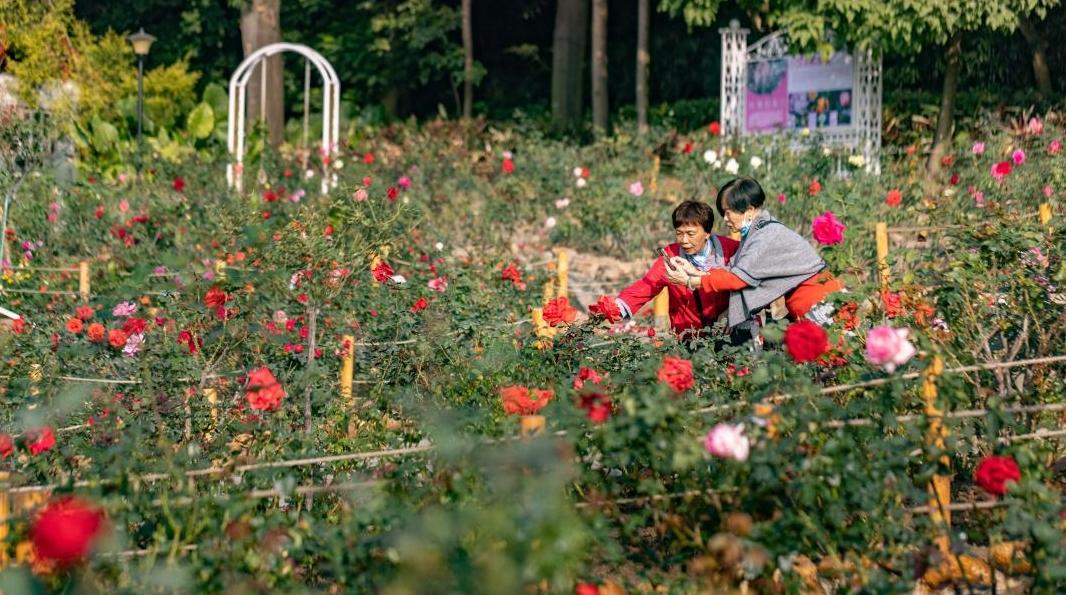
(666, 258)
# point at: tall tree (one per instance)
(260, 27)
(599, 66)
(1038, 44)
(643, 59)
(568, 62)
(468, 60)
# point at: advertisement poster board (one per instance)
(799, 92)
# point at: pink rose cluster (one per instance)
(827, 229)
(888, 347)
(727, 441)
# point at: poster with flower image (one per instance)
(799, 92)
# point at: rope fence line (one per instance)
(962, 414)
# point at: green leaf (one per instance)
(201, 121)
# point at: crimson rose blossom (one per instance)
(382, 271)
(827, 229)
(7, 446)
(41, 440)
(993, 473)
(66, 529)
(517, 399)
(676, 373)
(215, 297)
(606, 308)
(1001, 170)
(597, 407)
(587, 374)
(588, 588)
(894, 197)
(264, 392)
(420, 305)
(805, 341)
(559, 311)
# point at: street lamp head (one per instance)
(141, 42)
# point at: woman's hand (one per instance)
(680, 263)
(678, 276)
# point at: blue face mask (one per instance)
(745, 228)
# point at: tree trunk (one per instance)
(261, 26)
(568, 62)
(643, 59)
(946, 120)
(1039, 44)
(468, 60)
(599, 66)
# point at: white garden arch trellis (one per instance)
(864, 135)
(238, 85)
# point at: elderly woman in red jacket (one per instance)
(691, 308)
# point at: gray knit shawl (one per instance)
(773, 260)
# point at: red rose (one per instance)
(846, 315)
(263, 391)
(84, 312)
(687, 148)
(7, 446)
(191, 343)
(216, 298)
(96, 332)
(586, 589)
(382, 271)
(368, 158)
(41, 440)
(954, 179)
(893, 304)
(270, 196)
(994, 472)
(517, 400)
(179, 184)
(99, 212)
(587, 374)
(508, 166)
(597, 407)
(65, 530)
(392, 193)
(74, 325)
(714, 128)
(894, 197)
(117, 338)
(606, 308)
(559, 311)
(135, 326)
(419, 305)
(805, 341)
(512, 274)
(814, 188)
(676, 373)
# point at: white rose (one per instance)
(439, 246)
(577, 172)
(756, 162)
(710, 156)
(549, 223)
(581, 182)
(732, 166)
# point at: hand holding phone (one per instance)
(666, 258)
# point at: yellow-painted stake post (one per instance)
(1045, 214)
(83, 280)
(662, 309)
(563, 272)
(940, 490)
(881, 236)
(347, 369)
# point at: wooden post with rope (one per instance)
(562, 272)
(1045, 213)
(347, 374)
(5, 512)
(84, 287)
(940, 490)
(881, 237)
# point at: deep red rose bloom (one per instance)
(419, 305)
(382, 271)
(993, 473)
(512, 274)
(587, 374)
(117, 338)
(586, 589)
(894, 197)
(216, 298)
(270, 196)
(368, 158)
(264, 392)
(134, 326)
(179, 184)
(65, 530)
(7, 446)
(597, 407)
(606, 308)
(714, 128)
(559, 311)
(805, 341)
(392, 193)
(508, 166)
(41, 440)
(676, 373)
(517, 400)
(84, 312)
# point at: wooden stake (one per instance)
(211, 394)
(549, 291)
(1045, 213)
(83, 280)
(531, 425)
(347, 369)
(662, 309)
(881, 236)
(563, 271)
(940, 490)
(656, 163)
(5, 511)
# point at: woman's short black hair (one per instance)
(692, 212)
(740, 194)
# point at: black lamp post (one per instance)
(142, 42)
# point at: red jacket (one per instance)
(684, 314)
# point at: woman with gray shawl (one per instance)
(772, 262)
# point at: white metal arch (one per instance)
(238, 83)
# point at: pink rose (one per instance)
(727, 441)
(827, 229)
(1001, 170)
(978, 149)
(1035, 127)
(888, 347)
(1055, 147)
(1048, 191)
(360, 195)
(636, 188)
(782, 199)
(1018, 157)
(404, 182)
(440, 284)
